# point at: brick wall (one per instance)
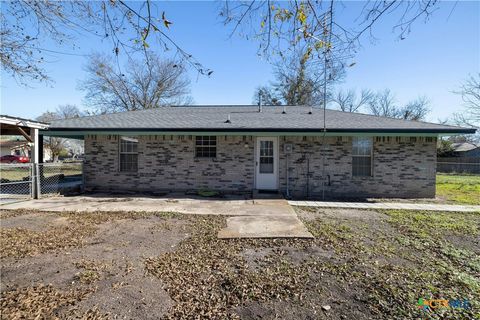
(402, 168)
(169, 163)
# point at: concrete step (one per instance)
(266, 194)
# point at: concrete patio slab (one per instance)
(254, 218)
(264, 227)
(388, 205)
(224, 206)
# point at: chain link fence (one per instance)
(16, 182)
(59, 178)
(27, 181)
(459, 165)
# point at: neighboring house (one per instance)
(243, 148)
(465, 150)
(21, 147)
(14, 147)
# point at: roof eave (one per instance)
(442, 131)
(21, 122)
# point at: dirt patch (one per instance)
(464, 242)
(333, 300)
(297, 256)
(108, 264)
(34, 221)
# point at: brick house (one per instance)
(246, 148)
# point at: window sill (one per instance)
(362, 177)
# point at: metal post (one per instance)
(40, 148)
(34, 160)
(38, 175)
(33, 185)
(82, 189)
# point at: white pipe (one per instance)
(288, 178)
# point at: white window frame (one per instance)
(133, 152)
(362, 155)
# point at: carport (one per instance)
(29, 129)
(13, 126)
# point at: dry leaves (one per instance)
(208, 278)
(21, 242)
(38, 302)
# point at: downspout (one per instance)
(288, 178)
(308, 177)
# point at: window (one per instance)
(128, 154)
(205, 146)
(266, 156)
(362, 157)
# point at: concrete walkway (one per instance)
(387, 205)
(258, 218)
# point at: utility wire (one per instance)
(328, 37)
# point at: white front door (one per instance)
(266, 163)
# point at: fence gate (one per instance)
(29, 180)
(16, 182)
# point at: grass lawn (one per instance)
(362, 264)
(11, 173)
(460, 189)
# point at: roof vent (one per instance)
(311, 110)
(259, 102)
(284, 110)
(228, 119)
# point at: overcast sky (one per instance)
(431, 61)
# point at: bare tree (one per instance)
(470, 92)
(296, 85)
(348, 101)
(416, 109)
(384, 104)
(470, 116)
(281, 26)
(57, 145)
(28, 25)
(267, 96)
(146, 85)
(300, 80)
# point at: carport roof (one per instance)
(9, 125)
(247, 119)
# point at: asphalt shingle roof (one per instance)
(247, 118)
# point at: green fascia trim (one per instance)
(82, 134)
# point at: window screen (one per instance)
(362, 157)
(128, 154)
(205, 146)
